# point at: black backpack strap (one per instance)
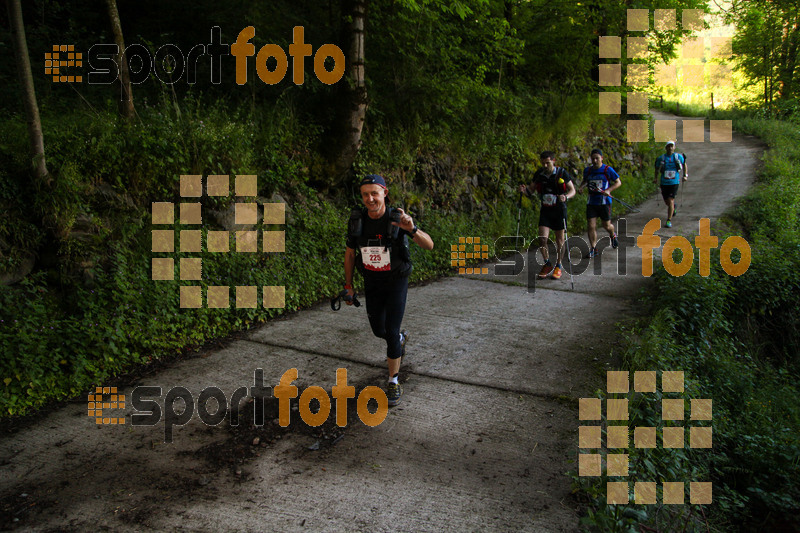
(392, 231)
(560, 172)
(355, 226)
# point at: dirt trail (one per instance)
(482, 440)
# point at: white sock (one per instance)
(393, 379)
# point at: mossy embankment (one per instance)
(79, 305)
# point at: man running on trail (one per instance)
(377, 244)
(669, 167)
(554, 186)
(600, 179)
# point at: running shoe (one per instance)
(592, 253)
(668, 224)
(546, 270)
(557, 272)
(393, 393)
(674, 211)
(614, 241)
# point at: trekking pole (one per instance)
(336, 301)
(519, 212)
(566, 243)
(629, 206)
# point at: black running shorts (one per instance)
(669, 191)
(552, 217)
(602, 211)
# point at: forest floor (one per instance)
(483, 438)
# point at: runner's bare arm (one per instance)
(570, 192)
(614, 186)
(423, 240)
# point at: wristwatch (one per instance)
(414, 230)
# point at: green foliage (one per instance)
(55, 352)
(460, 106)
(736, 340)
(765, 43)
(104, 314)
(438, 79)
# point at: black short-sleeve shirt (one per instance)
(375, 232)
(547, 185)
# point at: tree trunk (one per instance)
(766, 78)
(351, 119)
(28, 91)
(772, 48)
(790, 60)
(123, 84)
(508, 11)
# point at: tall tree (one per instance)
(350, 121)
(767, 43)
(789, 39)
(28, 92)
(125, 93)
(353, 102)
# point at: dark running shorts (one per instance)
(552, 217)
(602, 211)
(669, 191)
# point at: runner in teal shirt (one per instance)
(669, 167)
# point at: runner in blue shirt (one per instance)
(601, 180)
(669, 167)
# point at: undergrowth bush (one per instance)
(95, 312)
(736, 340)
(54, 351)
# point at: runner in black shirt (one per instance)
(384, 262)
(554, 186)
